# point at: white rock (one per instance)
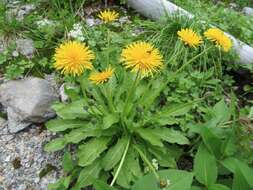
(27, 101)
(63, 96)
(248, 11)
(91, 21)
(25, 47)
(24, 10)
(2, 122)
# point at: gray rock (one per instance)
(25, 47)
(92, 21)
(24, 10)
(233, 5)
(248, 11)
(123, 20)
(27, 101)
(2, 122)
(15, 121)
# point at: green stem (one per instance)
(145, 159)
(191, 60)
(83, 88)
(109, 98)
(108, 47)
(130, 93)
(121, 162)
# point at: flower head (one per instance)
(108, 16)
(73, 58)
(101, 77)
(189, 37)
(219, 37)
(142, 57)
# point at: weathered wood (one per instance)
(156, 8)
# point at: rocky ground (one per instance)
(23, 163)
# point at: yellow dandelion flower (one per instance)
(101, 77)
(189, 37)
(73, 58)
(108, 16)
(219, 37)
(142, 57)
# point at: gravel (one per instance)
(22, 159)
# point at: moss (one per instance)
(16, 163)
(47, 169)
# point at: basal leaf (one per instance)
(240, 169)
(58, 125)
(170, 135)
(88, 174)
(91, 150)
(130, 170)
(100, 185)
(176, 180)
(73, 110)
(109, 120)
(218, 187)
(114, 155)
(67, 162)
(176, 109)
(55, 145)
(205, 168)
(149, 135)
(77, 135)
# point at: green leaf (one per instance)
(77, 135)
(176, 179)
(88, 174)
(114, 154)
(239, 182)
(61, 184)
(195, 188)
(171, 135)
(130, 170)
(150, 135)
(91, 150)
(3, 58)
(67, 162)
(58, 125)
(72, 110)
(218, 187)
(99, 185)
(212, 142)
(176, 110)
(205, 168)
(221, 112)
(55, 145)
(239, 169)
(165, 158)
(109, 120)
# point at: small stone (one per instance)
(233, 5)
(248, 11)
(15, 53)
(7, 158)
(123, 20)
(24, 10)
(25, 47)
